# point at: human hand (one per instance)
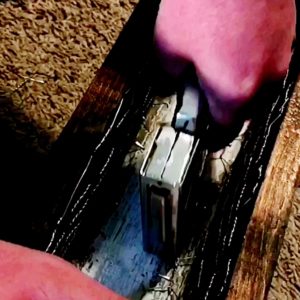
(235, 46)
(27, 274)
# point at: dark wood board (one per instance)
(118, 99)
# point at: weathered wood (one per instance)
(91, 148)
(121, 252)
(266, 230)
(113, 79)
(119, 260)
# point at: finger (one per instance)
(29, 274)
(235, 46)
(172, 57)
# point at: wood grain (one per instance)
(120, 83)
(266, 229)
(298, 180)
(91, 117)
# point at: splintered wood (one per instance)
(266, 229)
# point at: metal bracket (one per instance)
(163, 177)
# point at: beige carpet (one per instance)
(60, 45)
(49, 52)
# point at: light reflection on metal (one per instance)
(164, 175)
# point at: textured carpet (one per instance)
(59, 45)
(49, 52)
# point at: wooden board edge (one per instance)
(265, 232)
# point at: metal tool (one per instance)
(167, 172)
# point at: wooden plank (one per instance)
(112, 80)
(118, 250)
(121, 86)
(265, 232)
(121, 252)
(119, 260)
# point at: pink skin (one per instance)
(236, 46)
(27, 274)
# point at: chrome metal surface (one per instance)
(163, 175)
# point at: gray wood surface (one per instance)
(119, 261)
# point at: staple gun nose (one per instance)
(174, 159)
